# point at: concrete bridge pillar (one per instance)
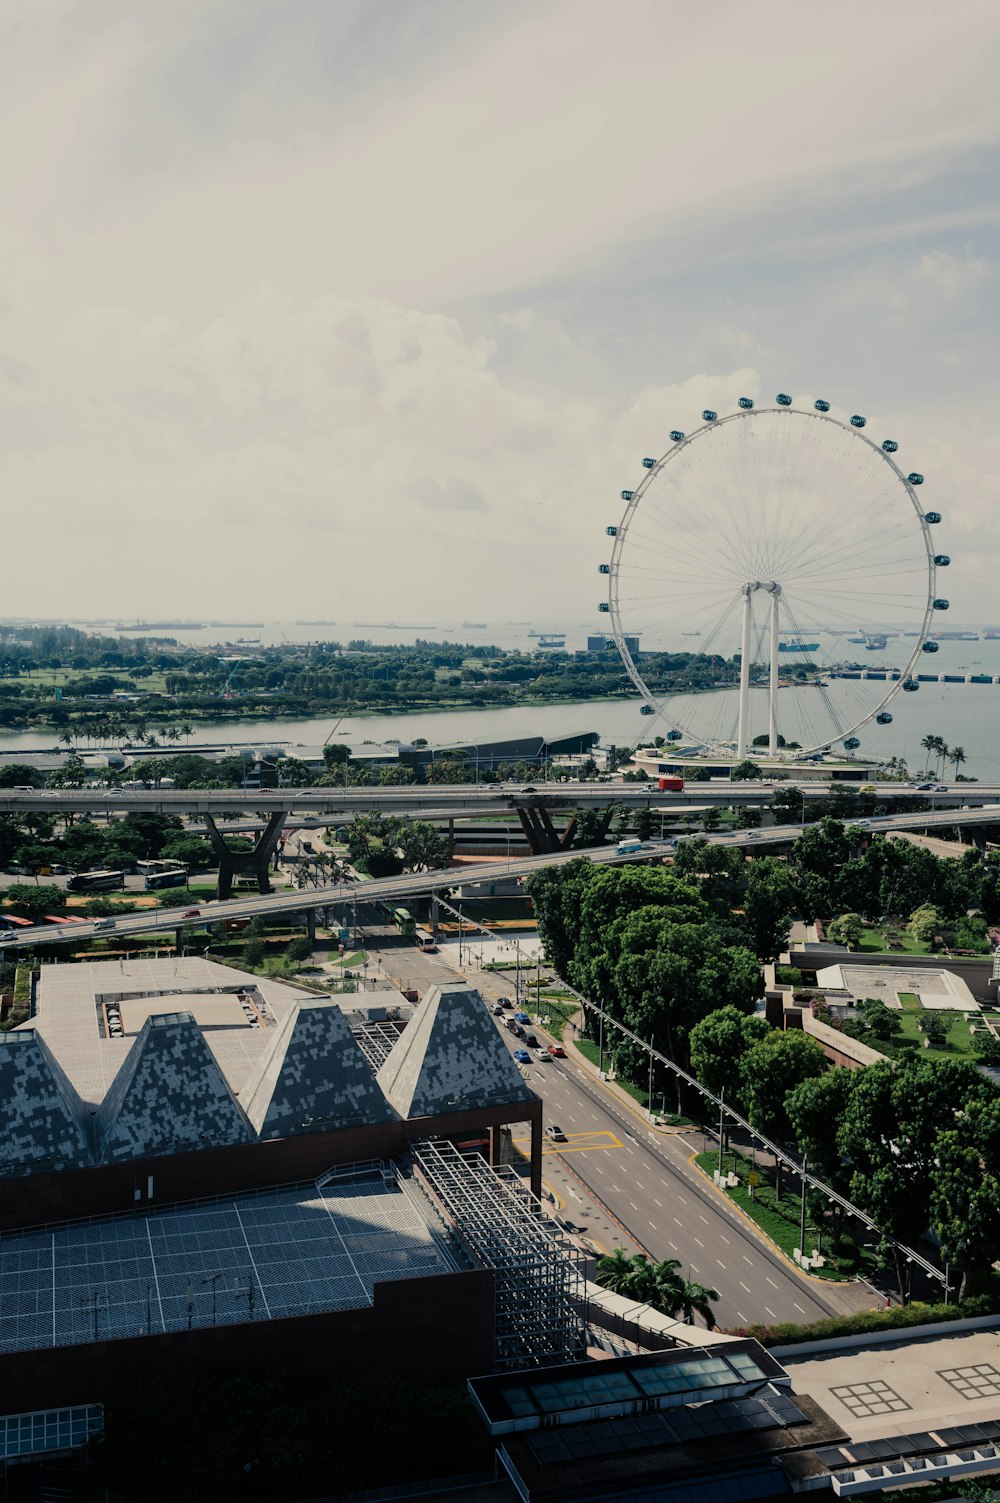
(542, 835)
(245, 863)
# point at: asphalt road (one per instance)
(620, 1180)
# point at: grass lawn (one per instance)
(874, 942)
(778, 1221)
(959, 1040)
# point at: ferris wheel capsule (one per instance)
(942, 560)
(627, 495)
(929, 647)
(941, 605)
(915, 478)
(783, 399)
(890, 445)
(883, 718)
(932, 517)
(777, 570)
(604, 568)
(675, 435)
(857, 421)
(910, 685)
(646, 710)
(648, 464)
(852, 743)
(612, 532)
(603, 606)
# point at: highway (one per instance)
(450, 802)
(418, 884)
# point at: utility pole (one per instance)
(722, 1108)
(802, 1217)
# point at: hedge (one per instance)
(867, 1322)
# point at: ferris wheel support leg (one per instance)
(772, 739)
(744, 717)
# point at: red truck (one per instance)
(671, 785)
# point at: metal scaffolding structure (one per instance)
(539, 1285)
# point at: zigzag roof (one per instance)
(313, 1078)
(168, 1097)
(43, 1123)
(450, 1058)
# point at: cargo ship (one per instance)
(797, 645)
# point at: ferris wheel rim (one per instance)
(619, 632)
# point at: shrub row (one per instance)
(867, 1322)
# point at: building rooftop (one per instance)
(450, 1058)
(266, 1255)
(898, 1387)
(936, 990)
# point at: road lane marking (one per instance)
(638, 1186)
(798, 1307)
(677, 1223)
(682, 1198)
(672, 1244)
(724, 1238)
(703, 1218)
(653, 1226)
(746, 1259)
(771, 1281)
(699, 1242)
(744, 1286)
(633, 1205)
(770, 1312)
(720, 1263)
(740, 1315)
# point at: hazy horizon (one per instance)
(369, 313)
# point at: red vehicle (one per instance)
(671, 785)
(557, 1051)
(191, 913)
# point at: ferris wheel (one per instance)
(783, 558)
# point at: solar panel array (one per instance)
(255, 1257)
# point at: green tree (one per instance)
(19, 775)
(710, 819)
(745, 772)
(294, 773)
(253, 954)
(748, 818)
(935, 1029)
(300, 949)
(847, 930)
(965, 1191)
(189, 850)
(814, 1108)
(878, 1019)
(35, 858)
(719, 1043)
(770, 1071)
(422, 845)
(768, 904)
(35, 902)
(924, 923)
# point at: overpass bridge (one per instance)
(427, 884)
(533, 807)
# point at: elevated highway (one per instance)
(423, 884)
(456, 802)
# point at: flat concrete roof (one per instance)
(68, 1005)
(906, 1386)
(938, 991)
(219, 1011)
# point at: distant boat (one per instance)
(161, 626)
(690, 633)
(474, 625)
(797, 645)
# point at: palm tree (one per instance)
(943, 754)
(957, 756)
(929, 744)
(698, 1299)
(186, 731)
(616, 1271)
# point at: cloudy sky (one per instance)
(327, 304)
